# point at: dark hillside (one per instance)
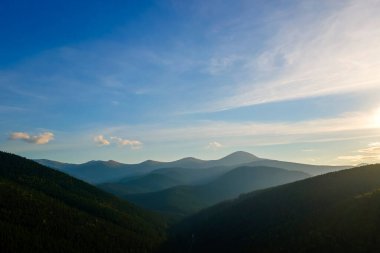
(43, 210)
(335, 212)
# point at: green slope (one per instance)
(184, 200)
(336, 212)
(43, 210)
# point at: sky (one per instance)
(135, 80)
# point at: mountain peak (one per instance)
(189, 159)
(100, 163)
(150, 162)
(241, 154)
(239, 157)
(113, 162)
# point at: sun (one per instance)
(376, 118)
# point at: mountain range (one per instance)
(187, 185)
(97, 172)
(104, 171)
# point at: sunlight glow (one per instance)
(376, 118)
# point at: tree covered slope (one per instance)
(335, 212)
(44, 210)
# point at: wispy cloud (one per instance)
(313, 53)
(369, 154)
(353, 125)
(333, 53)
(40, 139)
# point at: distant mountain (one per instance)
(97, 172)
(162, 179)
(335, 212)
(187, 162)
(92, 171)
(147, 183)
(183, 200)
(246, 179)
(234, 159)
(313, 170)
(44, 210)
(54, 164)
(239, 157)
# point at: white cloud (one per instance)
(369, 154)
(134, 144)
(19, 136)
(333, 53)
(40, 139)
(370, 150)
(214, 145)
(355, 125)
(101, 141)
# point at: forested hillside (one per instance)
(335, 212)
(43, 210)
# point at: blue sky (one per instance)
(136, 80)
